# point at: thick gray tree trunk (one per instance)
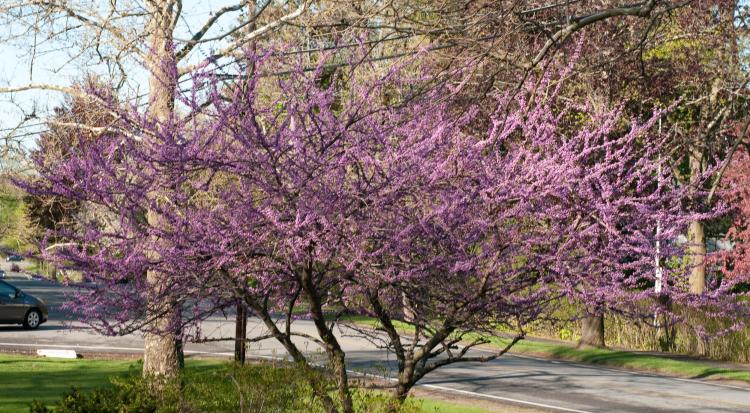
(162, 350)
(697, 256)
(592, 331)
(696, 250)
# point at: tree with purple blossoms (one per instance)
(374, 199)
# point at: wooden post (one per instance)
(240, 334)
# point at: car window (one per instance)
(7, 291)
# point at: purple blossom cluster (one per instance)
(372, 196)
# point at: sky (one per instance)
(53, 64)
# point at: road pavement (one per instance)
(544, 385)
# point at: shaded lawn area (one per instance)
(24, 379)
(666, 364)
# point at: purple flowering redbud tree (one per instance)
(302, 191)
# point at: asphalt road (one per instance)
(540, 384)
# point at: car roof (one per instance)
(7, 283)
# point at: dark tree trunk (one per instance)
(592, 331)
(240, 334)
(335, 353)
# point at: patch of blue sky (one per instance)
(61, 62)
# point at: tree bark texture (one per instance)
(696, 251)
(697, 257)
(240, 333)
(162, 348)
(592, 331)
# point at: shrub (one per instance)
(130, 395)
(251, 388)
(264, 387)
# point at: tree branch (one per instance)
(207, 26)
(640, 10)
(460, 357)
(252, 35)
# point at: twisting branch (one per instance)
(461, 356)
(96, 23)
(643, 9)
(252, 35)
(259, 338)
(198, 36)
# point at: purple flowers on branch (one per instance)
(356, 194)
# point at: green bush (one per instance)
(130, 395)
(252, 388)
(265, 387)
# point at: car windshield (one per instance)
(7, 290)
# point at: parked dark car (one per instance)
(2, 273)
(14, 257)
(17, 307)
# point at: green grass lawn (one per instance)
(630, 360)
(27, 378)
(614, 358)
(438, 406)
(24, 379)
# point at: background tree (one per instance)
(64, 138)
(736, 261)
(14, 235)
(690, 55)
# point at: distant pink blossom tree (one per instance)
(369, 196)
(737, 193)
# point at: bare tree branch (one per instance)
(253, 35)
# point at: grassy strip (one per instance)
(27, 378)
(696, 369)
(436, 406)
(629, 360)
